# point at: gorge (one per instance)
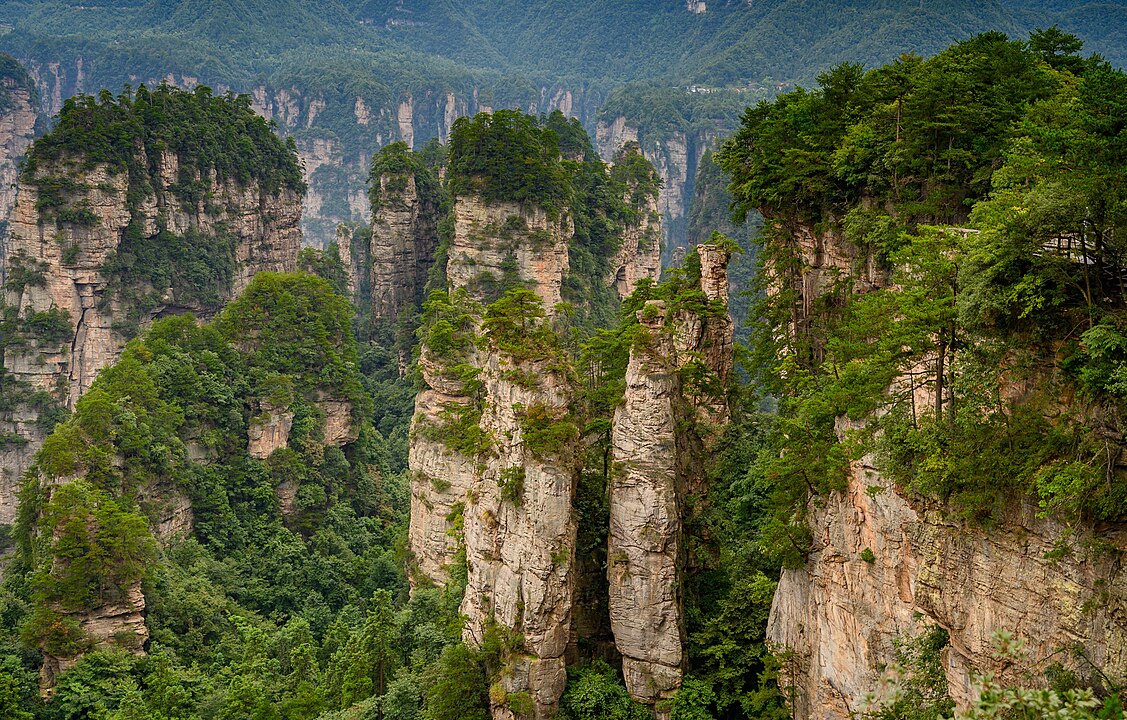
(504, 451)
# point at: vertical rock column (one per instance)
(404, 238)
(639, 256)
(520, 534)
(17, 128)
(507, 503)
(661, 435)
(645, 519)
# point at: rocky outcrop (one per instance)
(661, 432)
(675, 155)
(503, 500)
(404, 238)
(639, 256)
(336, 135)
(345, 236)
(839, 615)
(119, 623)
(643, 555)
(269, 431)
(340, 427)
(886, 565)
(493, 241)
(76, 314)
(508, 507)
(336, 168)
(17, 128)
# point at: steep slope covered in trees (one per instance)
(942, 253)
(220, 530)
(131, 208)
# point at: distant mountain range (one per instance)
(345, 77)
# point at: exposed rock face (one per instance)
(344, 247)
(269, 431)
(170, 511)
(404, 239)
(660, 436)
(520, 535)
(508, 504)
(120, 623)
(640, 254)
(826, 257)
(643, 554)
(335, 143)
(676, 156)
(17, 128)
(840, 614)
(511, 511)
(336, 169)
(339, 429)
(493, 240)
(66, 262)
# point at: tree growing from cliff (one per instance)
(506, 156)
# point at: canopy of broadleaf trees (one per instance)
(1022, 145)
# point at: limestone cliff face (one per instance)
(509, 508)
(17, 128)
(116, 624)
(337, 152)
(825, 258)
(403, 243)
(660, 436)
(335, 143)
(495, 240)
(676, 155)
(839, 614)
(640, 254)
(89, 312)
(505, 501)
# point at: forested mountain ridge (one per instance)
(133, 207)
(942, 245)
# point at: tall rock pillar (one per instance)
(675, 401)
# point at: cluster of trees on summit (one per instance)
(305, 615)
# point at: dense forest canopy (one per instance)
(219, 134)
(379, 49)
(982, 189)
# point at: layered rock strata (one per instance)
(503, 500)
(75, 314)
(886, 567)
(639, 256)
(404, 238)
(120, 623)
(676, 156)
(840, 615)
(661, 432)
(509, 510)
(494, 242)
(17, 129)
